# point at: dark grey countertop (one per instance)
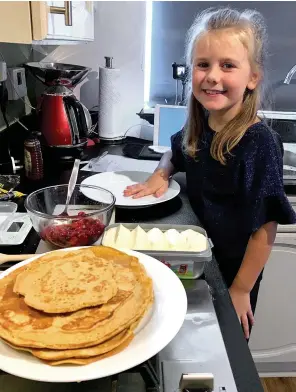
(176, 211)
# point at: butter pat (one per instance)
(157, 239)
(109, 237)
(195, 241)
(140, 239)
(123, 238)
(175, 240)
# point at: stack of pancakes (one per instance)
(75, 306)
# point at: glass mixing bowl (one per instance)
(89, 212)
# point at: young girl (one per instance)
(232, 160)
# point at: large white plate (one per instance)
(116, 182)
(158, 328)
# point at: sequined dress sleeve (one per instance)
(178, 159)
(263, 186)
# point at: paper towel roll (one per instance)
(110, 105)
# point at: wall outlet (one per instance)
(3, 71)
(16, 83)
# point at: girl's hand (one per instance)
(157, 184)
(242, 306)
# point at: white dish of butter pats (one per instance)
(155, 239)
(116, 182)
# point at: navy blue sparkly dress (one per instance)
(235, 200)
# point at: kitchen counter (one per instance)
(177, 211)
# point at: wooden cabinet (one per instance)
(51, 22)
(66, 20)
(15, 22)
(273, 339)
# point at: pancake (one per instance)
(114, 255)
(23, 326)
(68, 284)
(86, 361)
(93, 351)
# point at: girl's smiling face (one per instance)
(221, 72)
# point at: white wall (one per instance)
(120, 33)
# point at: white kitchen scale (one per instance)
(14, 228)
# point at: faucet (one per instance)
(290, 75)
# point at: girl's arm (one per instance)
(165, 167)
(256, 256)
(157, 184)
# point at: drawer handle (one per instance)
(66, 10)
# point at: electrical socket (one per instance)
(16, 83)
(3, 71)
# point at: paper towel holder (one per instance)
(107, 135)
(108, 62)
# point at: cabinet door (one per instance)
(273, 338)
(82, 22)
(15, 22)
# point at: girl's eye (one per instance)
(202, 65)
(228, 65)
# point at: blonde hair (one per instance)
(249, 27)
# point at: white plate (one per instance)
(158, 328)
(116, 182)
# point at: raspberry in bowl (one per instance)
(84, 222)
